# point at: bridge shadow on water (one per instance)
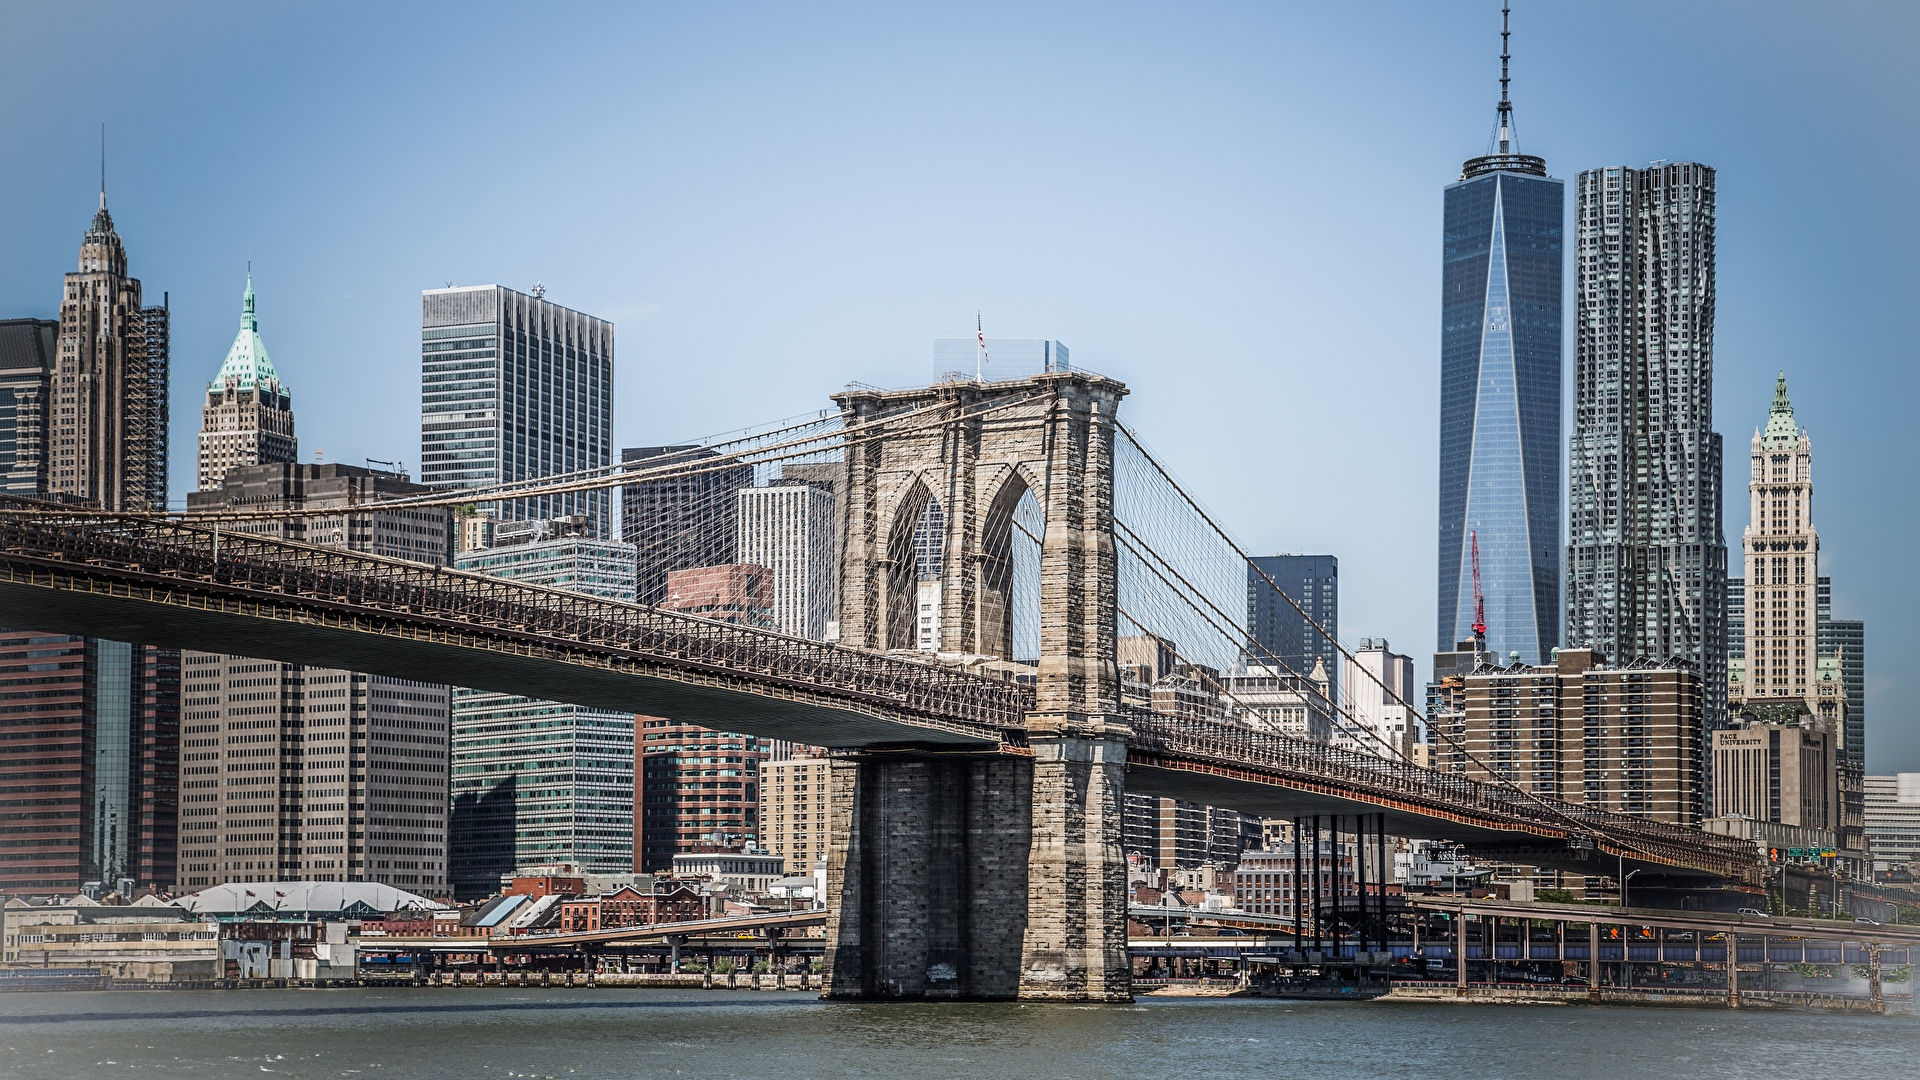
(387, 1009)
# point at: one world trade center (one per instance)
(1500, 378)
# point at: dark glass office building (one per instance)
(1500, 377)
(1280, 632)
(682, 521)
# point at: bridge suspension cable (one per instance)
(821, 437)
(1191, 594)
(1156, 564)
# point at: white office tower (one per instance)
(1379, 684)
(926, 617)
(513, 387)
(788, 528)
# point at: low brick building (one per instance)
(631, 907)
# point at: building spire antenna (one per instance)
(103, 165)
(1506, 103)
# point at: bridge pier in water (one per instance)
(1076, 926)
(979, 876)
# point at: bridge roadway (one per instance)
(169, 583)
(164, 583)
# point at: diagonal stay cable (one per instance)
(1150, 557)
(1585, 824)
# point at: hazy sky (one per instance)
(1234, 208)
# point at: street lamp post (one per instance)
(1626, 940)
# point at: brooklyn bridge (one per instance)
(976, 793)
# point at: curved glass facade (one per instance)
(1500, 378)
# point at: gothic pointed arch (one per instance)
(1004, 531)
(901, 566)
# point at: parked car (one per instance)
(1754, 913)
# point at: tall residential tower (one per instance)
(788, 528)
(297, 773)
(1500, 396)
(1647, 556)
(1284, 637)
(682, 520)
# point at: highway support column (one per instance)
(1460, 954)
(1593, 961)
(1733, 970)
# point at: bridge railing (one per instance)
(1223, 742)
(239, 563)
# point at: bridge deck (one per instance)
(168, 583)
(188, 587)
(1275, 776)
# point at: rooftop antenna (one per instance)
(103, 165)
(539, 289)
(1506, 104)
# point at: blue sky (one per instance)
(1234, 208)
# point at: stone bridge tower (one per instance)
(986, 876)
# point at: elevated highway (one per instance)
(1700, 922)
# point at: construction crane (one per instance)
(1479, 601)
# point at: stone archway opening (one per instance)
(915, 550)
(1010, 542)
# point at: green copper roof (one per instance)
(1827, 668)
(247, 361)
(1781, 431)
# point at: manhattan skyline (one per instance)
(1225, 208)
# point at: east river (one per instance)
(513, 1033)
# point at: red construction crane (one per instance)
(1479, 601)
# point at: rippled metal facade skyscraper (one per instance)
(1647, 554)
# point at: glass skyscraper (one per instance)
(1280, 632)
(1500, 383)
(540, 782)
(514, 387)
